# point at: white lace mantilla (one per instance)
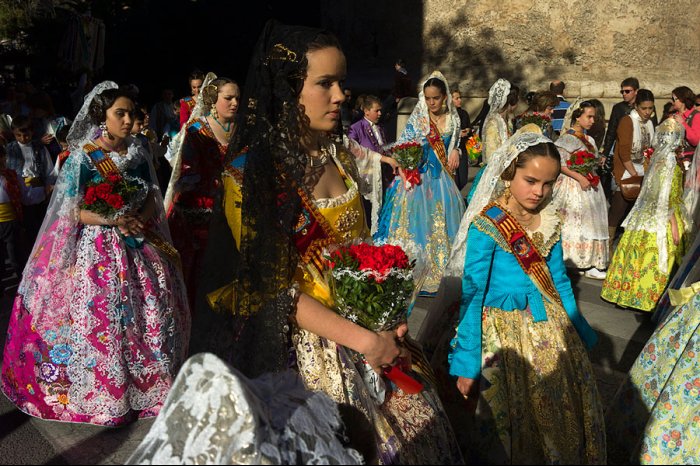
(215, 415)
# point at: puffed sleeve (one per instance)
(465, 357)
(566, 292)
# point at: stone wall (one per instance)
(591, 45)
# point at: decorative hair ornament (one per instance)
(281, 53)
(214, 114)
(103, 129)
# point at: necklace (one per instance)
(522, 220)
(226, 129)
(103, 144)
(324, 155)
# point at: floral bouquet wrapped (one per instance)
(584, 163)
(537, 118)
(409, 156)
(474, 148)
(110, 197)
(376, 287)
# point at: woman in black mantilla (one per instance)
(290, 192)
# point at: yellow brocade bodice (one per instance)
(345, 216)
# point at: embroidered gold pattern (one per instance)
(345, 223)
(438, 249)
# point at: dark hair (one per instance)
(630, 82)
(104, 101)
(644, 95)
(139, 115)
(196, 74)
(513, 95)
(599, 109)
(323, 40)
(369, 100)
(543, 149)
(576, 114)
(685, 95)
(557, 87)
(21, 122)
(435, 82)
(210, 94)
(543, 99)
(62, 134)
(3, 151)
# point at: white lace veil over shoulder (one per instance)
(418, 125)
(490, 188)
(498, 98)
(566, 126)
(175, 147)
(652, 209)
(215, 415)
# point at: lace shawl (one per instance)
(652, 210)
(215, 415)
(495, 129)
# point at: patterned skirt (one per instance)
(538, 400)
(113, 341)
(655, 415)
(408, 429)
(634, 279)
(584, 232)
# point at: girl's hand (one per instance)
(585, 184)
(384, 351)
(467, 387)
(453, 160)
(392, 163)
(674, 230)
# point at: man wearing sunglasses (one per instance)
(628, 91)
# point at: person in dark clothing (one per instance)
(462, 175)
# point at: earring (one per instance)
(507, 193)
(214, 114)
(444, 107)
(103, 129)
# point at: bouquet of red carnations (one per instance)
(376, 287)
(409, 156)
(109, 197)
(584, 163)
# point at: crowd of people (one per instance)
(202, 226)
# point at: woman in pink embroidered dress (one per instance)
(100, 323)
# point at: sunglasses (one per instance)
(674, 98)
(625, 91)
(697, 104)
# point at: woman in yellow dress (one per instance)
(654, 238)
(289, 194)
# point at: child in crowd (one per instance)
(32, 162)
(10, 218)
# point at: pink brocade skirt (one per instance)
(102, 342)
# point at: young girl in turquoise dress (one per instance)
(424, 218)
(519, 353)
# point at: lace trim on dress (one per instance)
(330, 203)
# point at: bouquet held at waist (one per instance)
(584, 163)
(376, 287)
(409, 156)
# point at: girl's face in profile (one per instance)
(322, 93)
(534, 182)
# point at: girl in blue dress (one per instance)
(519, 353)
(424, 218)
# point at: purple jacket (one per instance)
(361, 132)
